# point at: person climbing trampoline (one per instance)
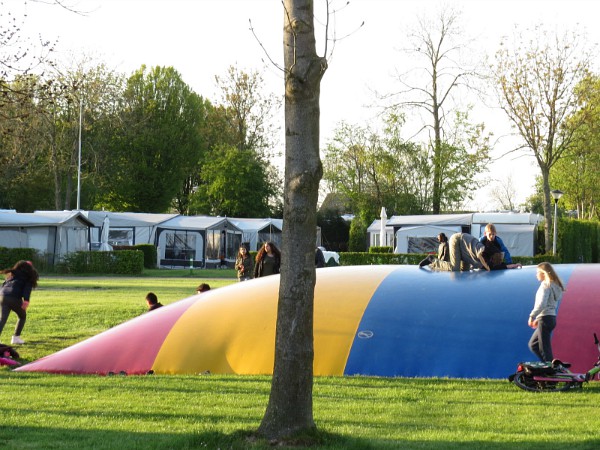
(466, 253)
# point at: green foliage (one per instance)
(149, 250)
(357, 241)
(535, 202)
(235, 183)
(460, 157)
(577, 172)
(150, 254)
(129, 262)
(363, 258)
(385, 249)
(578, 241)
(536, 77)
(374, 170)
(382, 257)
(9, 256)
(379, 168)
(236, 177)
(156, 141)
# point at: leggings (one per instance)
(8, 304)
(541, 340)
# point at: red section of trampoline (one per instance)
(578, 319)
(130, 347)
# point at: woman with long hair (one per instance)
(542, 317)
(15, 292)
(268, 260)
(244, 264)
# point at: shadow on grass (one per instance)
(56, 438)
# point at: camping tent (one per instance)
(422, 238)
(374, 232)
(126, 228)
(51, 233)
(417, 234)
(197, 241)
(257, 231)
(517, 230)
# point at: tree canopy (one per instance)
(536, 80)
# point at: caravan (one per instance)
(418, 233)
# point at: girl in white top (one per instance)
(543, 315)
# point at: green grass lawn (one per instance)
(42, 411)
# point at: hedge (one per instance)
(149, 251)
(125, 262)
(384, 249)
(578, 240)
(9, 256)
(359, 259)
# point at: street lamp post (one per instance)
(556, 194)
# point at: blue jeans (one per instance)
(541, 339)
(8, 304)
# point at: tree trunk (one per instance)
(290, 404)
(547, 205)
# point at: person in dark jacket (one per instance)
(319, 258)
(443, 249)
(152, 301)
(495, 259)
(15, 294)
(268, 260)
(202, 287)
(244, 264)
(491, 239)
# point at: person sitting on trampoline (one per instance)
(466, 252)
(495, 259)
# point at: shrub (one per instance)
(150, 253)
(9, 256)
(361, 258)
(385, 249)
(125, 262)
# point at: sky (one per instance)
(202, 38)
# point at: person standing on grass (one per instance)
(244, 264)
(14, 295)
(268, 260)
(542, 317)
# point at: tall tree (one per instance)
(76, 98)
(157, 141)
(235, 184)
(290, 403)
(504, 193)
(19, 55)
(243, 122)
(375, 169)
(536, 82)
(432, 88)
(22, 141)
(248, 110)
(578, 171)
(378, 168)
